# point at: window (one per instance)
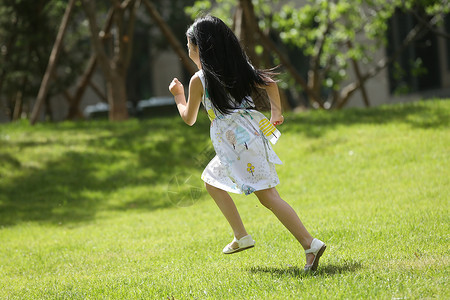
(417, 68)
(447, 29)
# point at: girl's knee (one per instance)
(267, 197)
(265, 203)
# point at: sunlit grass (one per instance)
(84, 210)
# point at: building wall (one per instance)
(59, 103)
(166, 66)
(3, 117)
(378, 87)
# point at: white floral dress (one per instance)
(244, 161)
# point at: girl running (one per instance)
(241, 136)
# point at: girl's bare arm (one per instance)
(188, 110)
(275, 102)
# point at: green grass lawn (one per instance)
(85, 211)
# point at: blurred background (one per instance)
(72, 60)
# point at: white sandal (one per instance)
(317, 248)
(244, 243)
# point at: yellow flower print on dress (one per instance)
(250, 168)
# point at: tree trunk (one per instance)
(114, 68)
(246, 30)
(74, 111)
(43, 90)
(173, 41)
(418, 31)
(315, 75)
(17, 106)
(361, 83)
(249, 13)
(117, 92)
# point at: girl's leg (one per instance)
(229, 210)
(286, 214)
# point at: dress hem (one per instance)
(226, 188)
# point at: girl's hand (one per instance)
(277, 120)
(176, 87)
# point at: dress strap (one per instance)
(201, 75)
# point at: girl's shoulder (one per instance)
(200, 75)
(196, 86)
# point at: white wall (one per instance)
(166, 66)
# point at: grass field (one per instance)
(85, 211)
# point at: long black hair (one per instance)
(229, 75)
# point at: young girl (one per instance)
(245, 161)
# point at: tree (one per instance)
(245, 25)
(43, 90)
(149, 40)
(333, 35)
(114, 66)
(85, 79)
(27, 34)
(170, 37)
(29, 30)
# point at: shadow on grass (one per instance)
(74, 184)
(108, 160)
(323, 270)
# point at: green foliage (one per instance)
(175, 16)
(331, 33)
(224, 9)
(27, 34)
(84, 212)
(218, 8)
(335, 25)
(198, 8)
